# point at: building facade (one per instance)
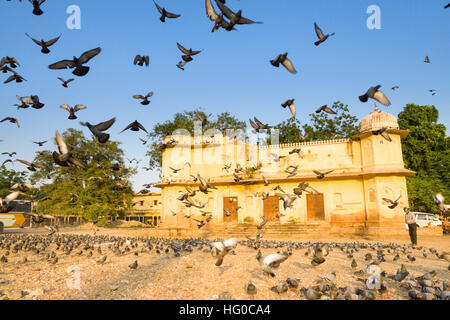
(366, 169)
(146, 208)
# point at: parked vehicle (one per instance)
(427, 220)
(11, 220)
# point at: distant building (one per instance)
(366, 168)
(146, 208)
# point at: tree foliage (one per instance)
(426, 151)
(186, 121)
(92, 192)
(324, 126)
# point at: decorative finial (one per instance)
(376, 107)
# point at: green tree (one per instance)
(426, 151)
(290, 131)
(324, 126)
(186, 121)
(92, 192)
(7, 179)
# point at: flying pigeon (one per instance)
(320, 35)
(285, 61)
(97, 130)
(44, 44)
(77, 63)
(375, 94)
(72, 111)
(165, 14)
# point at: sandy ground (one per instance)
(193, 275)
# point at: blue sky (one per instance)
(232, 73)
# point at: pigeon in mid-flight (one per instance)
(44, 44)
(37, 6)
(97, 130)
(76, 63)
(165, 14)
(135, 126)
(65, 82)
(326, 109)
(285, 61)
(376, 94)
(72, 111)
(218, 19)
(141, 60)
(144, 99)
(290, 103)
(187, 53)
(235, 18)
(320, 35)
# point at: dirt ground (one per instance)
(193, 275)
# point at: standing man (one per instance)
(410, 220)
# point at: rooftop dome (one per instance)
(376, 120)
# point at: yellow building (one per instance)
(366, 168)
(146, 208)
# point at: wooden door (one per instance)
(271, 208)
(230, 205)
(315, 207)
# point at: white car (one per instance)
(427, 220)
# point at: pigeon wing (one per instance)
(52, 41)
(102, 126)
(253, 124)
(34, 40)
(141, 127)
(172, 15)
(381, 98)
(318, 31)
(65, 107)
(63, 64)
(158, 7)
(226, 11)
(88, 55)
(182, 49)
(212, 14)
(287, 63)
(79, 107)
(62, 146)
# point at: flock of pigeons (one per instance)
(373, 281)
(227, 20)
